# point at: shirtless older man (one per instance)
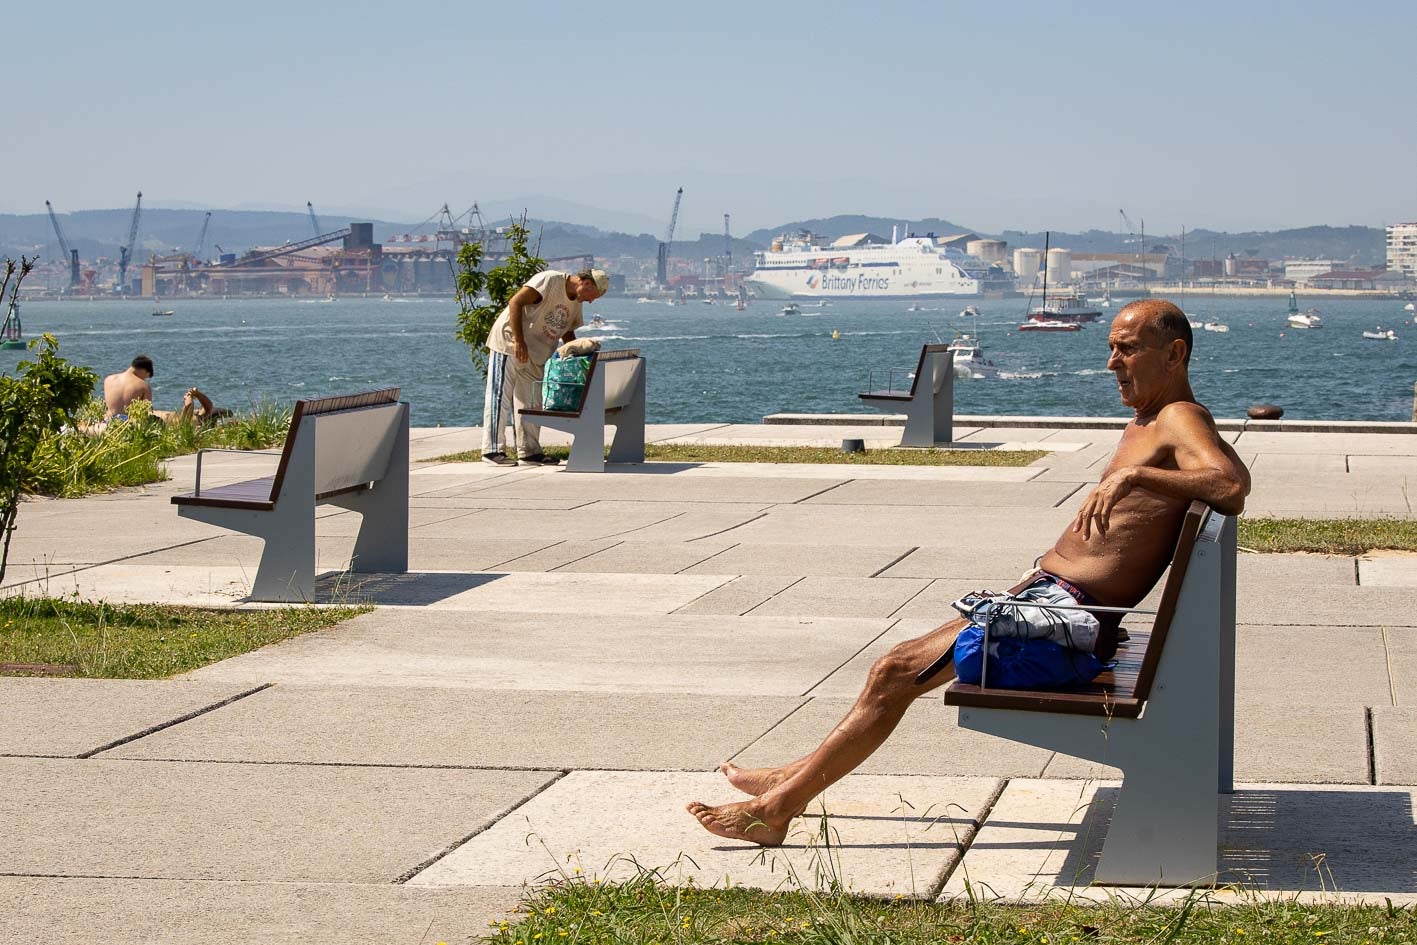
(1112, 554)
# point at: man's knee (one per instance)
(893, 673)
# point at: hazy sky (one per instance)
(1001, 115)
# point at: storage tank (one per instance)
(1232, 266)
(1026, 264)
(991, 251)
(1060, 266)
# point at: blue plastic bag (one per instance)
(564, 381)
(1018, 663)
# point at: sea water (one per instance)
(710, 363)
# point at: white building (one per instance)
(1402, 248)
(1300, 271)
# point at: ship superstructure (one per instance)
(866, 266)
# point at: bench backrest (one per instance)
(619, 369)
(936, 380)
(1170, 594)
(356, 436)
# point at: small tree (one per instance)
(34, 405)
(500, 283)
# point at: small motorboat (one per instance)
(596, 322)
(790, 308)
(644, 299)
(914, 308)
(1309, 318)
(1049, 325)
(1409, 307)
(969, 311)
(1215, 326)
(969, 360)
(163, 313)
(1381, 334)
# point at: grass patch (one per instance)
(692, 453)
(145, 641)
(647, 911)
(130, 452)
(1332, 536)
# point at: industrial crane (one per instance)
(314, 220)
(662, 269)
(72, 255)
(727, 246)
(125, 253)
(202, 237)
(1139, 240)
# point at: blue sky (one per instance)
(1008, 115)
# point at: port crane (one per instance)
(72, 255)
(202, 237)
(662, 268)
(1140, 241)
(125, 252)
(727, 246)
(314, 220)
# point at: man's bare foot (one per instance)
(752, 781)
(737, 822)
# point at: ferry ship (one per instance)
(865, 266)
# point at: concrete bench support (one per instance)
(929, 405)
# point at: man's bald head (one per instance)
(1160, 321)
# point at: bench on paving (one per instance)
(614, 395)
(350, 451)
(1165, 715)
(929, 404)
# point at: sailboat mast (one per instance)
(1046, 235)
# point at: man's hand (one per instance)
(519, 351)
(1098, 507)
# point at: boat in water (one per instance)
(969, 360)
(1215, 326)
(12, 335)
(1409, 307)
(1065, 308)
(969, 311)
(163, 313)
(1381, 334)
(1049, 325)
(866, 266)
(790, 309)
(1308, 318)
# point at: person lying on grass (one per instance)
(1111, 555)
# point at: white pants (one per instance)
(511, 387)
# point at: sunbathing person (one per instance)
(1112, 553)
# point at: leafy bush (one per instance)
(500, 283)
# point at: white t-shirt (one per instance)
(543, 324)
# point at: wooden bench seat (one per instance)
(1168, 711)
(614, 395)
(350, 451)
(928, 405)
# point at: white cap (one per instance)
(601, 280)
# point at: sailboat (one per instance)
(1045, 319)
(12, 335)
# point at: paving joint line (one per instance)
(640, 528)
(805, 701)
(1372, 747)
(1072, 492)
(694, 600)
(906, 603)
(835, 485)
(773, 596)
(724, 531)
(492, 821)
(177, 721)
(895, 561)
(680, 436)
(100, 564)
(838, 668)
(709, 558)
(1387, 661)
(388, 765)
(968, 842)
(557, 569)
(553, 544)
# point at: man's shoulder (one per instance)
(546, 277)
(1184, 415)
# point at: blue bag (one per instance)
(1019, 663)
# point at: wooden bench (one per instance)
(350, 451)
(614, 395)
(929, 404)
(1165, 716)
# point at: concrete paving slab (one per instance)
(739, 595)
(927, 741)
(1296, 573)
(1334, 606)
(1042, 838)
(846, 680)
(1367, 444)
(176, 912)
(1279, 465)
(703, 522)
(601, 520)
(889, 835)
(968, 494)
(802, 559)
(569, 593)
(1395, 745)
(1399, 466)
(1401, 643)
(70, 717)
(1350, 496)
(646, 484)
(524, 729)
(965, 560)
(1031, 530)
(617, 653)
(478, 501)
(234, 550)
(556, 554)
(840, 471)
(281, 823)
(195, 585)
(1295, 667)
(1276, 743)
(932, 605)
(1388, 569)
(647, 557)
(842, 597)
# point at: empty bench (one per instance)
(929, 404)
(350, 451)
(1165, 716)
(614, 395)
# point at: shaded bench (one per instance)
(1165, 716)
(929, 404)
(614, 395)
(350, 451)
